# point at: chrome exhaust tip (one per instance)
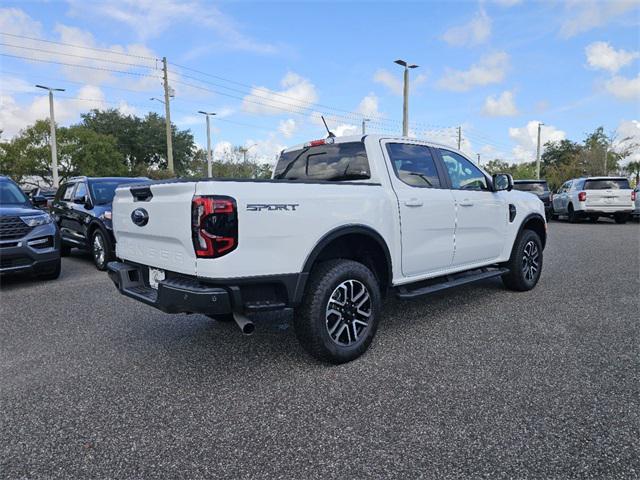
(247, 327)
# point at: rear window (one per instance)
(533, 187)
(607, 184)
(103, 191)
(335, 162)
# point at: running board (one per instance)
(438, 284)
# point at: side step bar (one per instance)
(438, 284)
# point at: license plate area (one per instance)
(156, 275)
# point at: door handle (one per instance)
(466, 203)
(413, 202)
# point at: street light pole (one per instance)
(245, 150)
(209, 159)
(52, 125)
(364, 120)
(405, 92)
(167, 111)
(538, 152)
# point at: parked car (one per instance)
(48, 193)
(594, 197)
(82, 210)
(539, 188)
(636, 204)
(29, 239)
(343, 221)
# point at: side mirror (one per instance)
(80, 200)
(39, 201)
(502, 181)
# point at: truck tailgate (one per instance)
(164, 239)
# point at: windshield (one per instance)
(10, 194)
(533, 187)
(102, 191)
(334, 162)
(607, 184)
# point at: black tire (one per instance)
(101, 249)
(521, 261)
(593, 218)
(52, 274)
(65, 250)
(221, 317)
(571, 215)
(621, 218)
(329, 336)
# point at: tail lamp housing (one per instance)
(214, 225)
(633, 196)
(582, 196)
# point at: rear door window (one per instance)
(414, 165)
(334, 162)
(607, 184)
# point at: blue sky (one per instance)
(496, 68)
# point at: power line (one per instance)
(76, 56)
(78, 46)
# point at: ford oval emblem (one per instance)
(140, 217)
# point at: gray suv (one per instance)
(29, 238)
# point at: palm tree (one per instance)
(634, 169)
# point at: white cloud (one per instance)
(526, 139)
(500, 106)
(297, 93)
(394, 82)
(287, 127)
(151, 18)
(624, 88)
(628, 137)
(474, 32)
(507, 3)
(369, 106)
(604, 56)
(490, 69)
(585, 15)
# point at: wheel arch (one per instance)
(536, 223)
(355, 242)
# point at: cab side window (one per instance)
(464, 175)
(414, 165)
(81, 191)
(68, 192)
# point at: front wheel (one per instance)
(339, 314)
(525, 264)
(100, 249)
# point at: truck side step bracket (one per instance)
(438, 284)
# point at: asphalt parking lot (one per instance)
(474, 382)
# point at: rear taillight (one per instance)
(582, 196)
(214, 225)
(633, 196)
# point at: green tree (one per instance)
(496, 166)
(85, 152)
(28, 154)
(633, 168)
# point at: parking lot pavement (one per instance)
(474, 382)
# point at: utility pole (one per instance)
(405, 103)
(167, 114)
(52, 125)
(540, 124)
(364, 120)
(459, 137)
(209, 159)
(606, 154)
(479, 159)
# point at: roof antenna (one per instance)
(331, 135)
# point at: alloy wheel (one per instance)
(99, 251)
(530, 260)
(348, 312)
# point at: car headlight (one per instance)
(106, 215)
(35, 220)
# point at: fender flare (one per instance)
(526, 220)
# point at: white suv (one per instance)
(594, 197)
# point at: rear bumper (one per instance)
(189, 294)
(604, 211)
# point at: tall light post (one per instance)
(405, 103)
(52, 122)
(209, 159)
(540, 124)
(364, 121)
(245, 150)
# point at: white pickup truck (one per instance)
(343, 222)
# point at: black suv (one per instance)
(29, 239)
(538, 188)
(82, 209)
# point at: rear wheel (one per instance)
(593, 218)
(525, 264)
(572, 216)
(621, 218)
(338, 317)
(100, 249)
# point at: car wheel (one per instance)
(571, 215)
(65, 250)
(621, 218)
(593, 218)
(339, 314)
(100, 249)
(221, 317)
(52, 274)
(525, 264)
